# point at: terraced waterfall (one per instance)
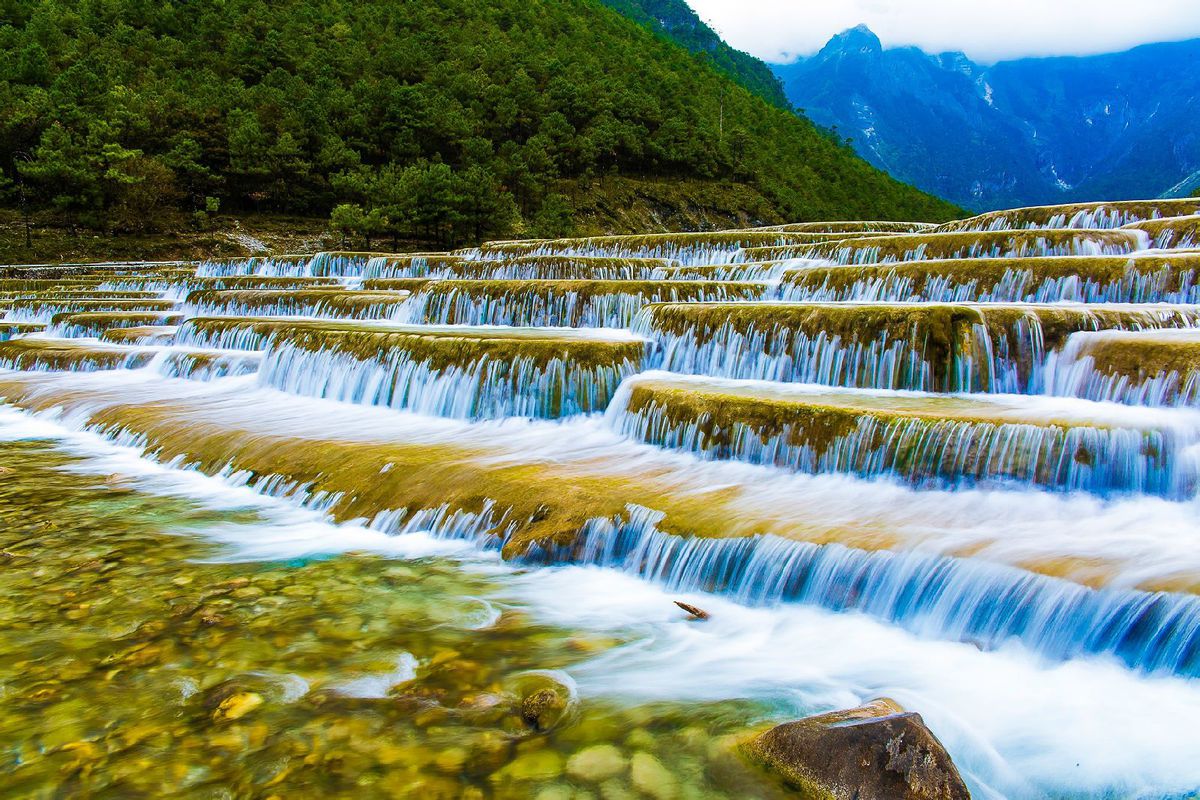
(957, 465)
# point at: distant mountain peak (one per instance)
(859, 38)
(1033, 131)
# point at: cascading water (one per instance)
(980, 434)
(947, 348)
(983, 283)
(482, 388)
(558, 304)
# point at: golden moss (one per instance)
(94, 323)
(1143, 355)
(442, 349)
(437, 347)
(988, 274)
(653, 242)
(10, 329)
(588, 289)
(395, 284)
(258, 282)
(544, 500)
(1042, 216)
(876, 226)
(320, 299)
(143, 334)
(1171, 231)
(64, 354)
(43, 303)
(943, 334)
(941, 245)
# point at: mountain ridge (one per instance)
(1032, 131)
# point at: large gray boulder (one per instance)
(876, 751)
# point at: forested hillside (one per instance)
(450, 121)
(676, 20)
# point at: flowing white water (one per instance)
(481, 389)
(1018, 725)
(1050, 638)
(1016, 284)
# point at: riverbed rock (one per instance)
(237, 706)
(877, 750)
(652, 778)
(543, 708)
(596, 763)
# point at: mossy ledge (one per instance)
(990, 347)
(582, 303)
(851, 226)
(67, 355)
(95, 323)
(1137, 278)
(1135, 367)
(533, 500)
(975, 244)
(1108, 214)
(1170, 232)
(537, 267)
(321, 301)
(918, 439)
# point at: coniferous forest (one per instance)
(449, 122)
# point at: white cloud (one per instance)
(987, 30)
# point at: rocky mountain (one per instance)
(1021, 132)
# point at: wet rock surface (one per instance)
(877, 750)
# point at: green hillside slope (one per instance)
(675, 20)
(449, 120)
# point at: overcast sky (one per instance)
(987, 30)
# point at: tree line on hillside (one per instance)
(447, 121)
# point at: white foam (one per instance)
(1018, 726)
